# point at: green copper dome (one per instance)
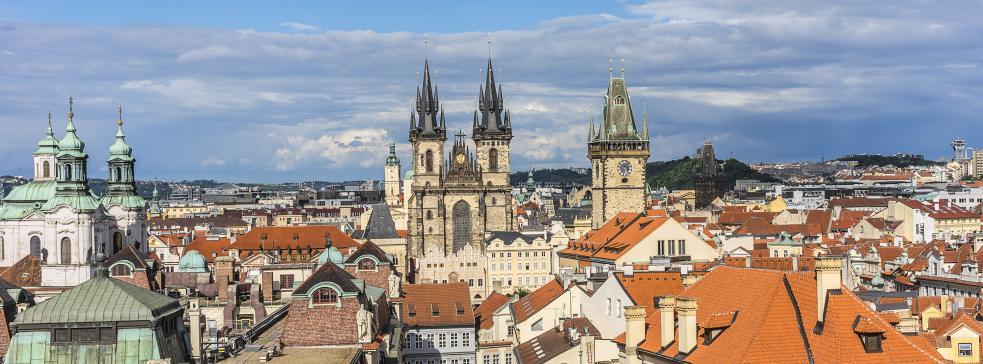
(119, 149)
(333, 255)
(70, 144)
(192, 261)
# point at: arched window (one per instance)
(36, 246)
(119, 174)
(117, 242)
(493, 160)
(429, 215)
(324, 295)
(121, 270)
(46, 170)
(366, 264)
(66, 250)
(462, 225)
(428, 161)
(68, 172)
(619, 100)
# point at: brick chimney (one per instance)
(667, 318)
(634, 332)
(686, 309)
(828, 277)
(267, 287)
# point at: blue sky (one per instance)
(257, 91)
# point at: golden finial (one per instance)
(119, 110)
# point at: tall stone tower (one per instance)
(618, 154)
(492, 133)
(709, 181)
(427, 135)
(391, 176)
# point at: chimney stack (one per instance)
(686, 308)
(667, 319)
(828, 277)
(634, 331)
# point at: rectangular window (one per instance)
(672, 247)
(682, 247)
(495, 359)
(430, 341)
(662, 247)
(441, 340)
(454, 340)
(286, 281)
(965, 349)
(481, 282)
(471, 282)
(466, 339)
(508, 358)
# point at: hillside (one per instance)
(674, 174)
(897, 160)
(679, 173)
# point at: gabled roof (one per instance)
(283, 237)
(535, 301)
(130, 254)
(26, 272)
(381, 224)
(328, 272)
(483, 314)
(616, 237)
(369, 248)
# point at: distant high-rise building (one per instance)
(618, 153)
(709, 179)
(959, 150)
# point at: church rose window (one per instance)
(462, 225)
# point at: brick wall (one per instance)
(139, 279)
(379, 279)
(267, 286)
(223, 289)
(6, 316)
(321, 325)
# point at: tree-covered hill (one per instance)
(897, 160)
(673, 174)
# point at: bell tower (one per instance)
(391, 175)
(44, 158)
(427, 135)
(618, 155)
(492, 133)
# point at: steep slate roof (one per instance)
(328, 272)
(508, 237)
(100, 299)
(446, 298)
(535, 301)
(644, 287)
(776, 322)
(381, 224)
(483, 314)
(551, 343)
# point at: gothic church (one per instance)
(459, 196)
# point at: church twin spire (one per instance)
(426, 122)
(491, 106)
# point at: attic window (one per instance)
(411, 310)
(619, 100)
(435, 310)
(460, 309)
(872, 342)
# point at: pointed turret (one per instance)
(425, 123)
(491, 106)
(72, 188)
(618, 120)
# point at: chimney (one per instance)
(667, 319)
(977, 242)
(634, 332)
(686, 309)
(828, 277)
(629, 270)
(195, 328)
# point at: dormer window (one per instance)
(324, 296)
(872, 343)
(366, 264)
(435, 310)
(121, 270)
(411, 310)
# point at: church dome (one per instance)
(192, 261)
(119, 147)
(48, 144)
(333, 255)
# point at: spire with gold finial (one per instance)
(120, 149)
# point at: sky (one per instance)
(256, 91)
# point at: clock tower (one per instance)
(618, 153)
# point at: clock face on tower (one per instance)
(460, 159)
(624, 168)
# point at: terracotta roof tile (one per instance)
(437, 304)
(535, 301)
(644, 287)
(483, 314)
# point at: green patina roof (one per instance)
(119, 149)
(34, 191)
(48, 145)
(408, 175)
(192, 261)
(86, 202)
(126, 201)
(100, 299)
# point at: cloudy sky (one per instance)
(244, 91)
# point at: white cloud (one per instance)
(213, 162)
(299, 27)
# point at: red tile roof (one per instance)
(535, 301)
(483, 314)
(644, 287)
(436, 305)
(210, 248)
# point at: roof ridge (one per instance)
(884, 322)
(798, 317)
